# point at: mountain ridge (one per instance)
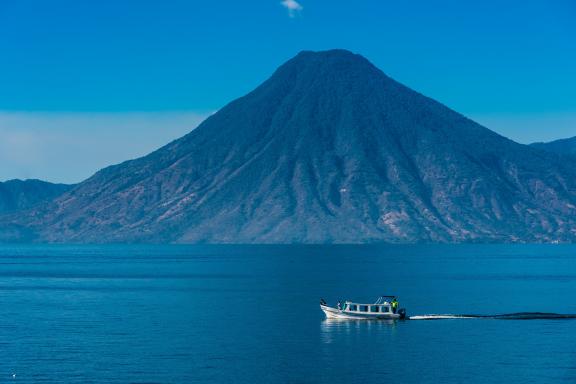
(16, 195)
(329, 149)
(561, 146)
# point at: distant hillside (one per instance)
(563, 146)
(22, 194)
(328, 150)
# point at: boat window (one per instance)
(352, 307)
(363, 308)
(374, 308)
(385, 309)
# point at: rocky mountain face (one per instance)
(22, 194)
(328, 150)
(561, 147)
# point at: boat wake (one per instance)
(506, 316)
(441, 317)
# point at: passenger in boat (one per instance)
(339, 306)
(394, 305)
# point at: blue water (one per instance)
(249, 314)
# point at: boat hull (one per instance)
(335, 313)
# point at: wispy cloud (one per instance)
(69, 147)
(293, 7)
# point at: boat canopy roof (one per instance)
(381, 300)
(384, 298)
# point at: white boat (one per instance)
(381, 309)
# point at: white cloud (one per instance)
(293, 7)
(69, 147)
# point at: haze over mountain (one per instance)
(562, 146)
(22, 194)
(329, 149)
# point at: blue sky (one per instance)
(120, 78)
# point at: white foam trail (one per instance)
(439, 317)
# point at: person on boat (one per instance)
(394, 304)
(339, 306)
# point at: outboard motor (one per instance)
(402, 313)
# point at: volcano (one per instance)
(328, 150)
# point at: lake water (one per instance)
(249, 314)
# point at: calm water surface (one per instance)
(248, 314)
